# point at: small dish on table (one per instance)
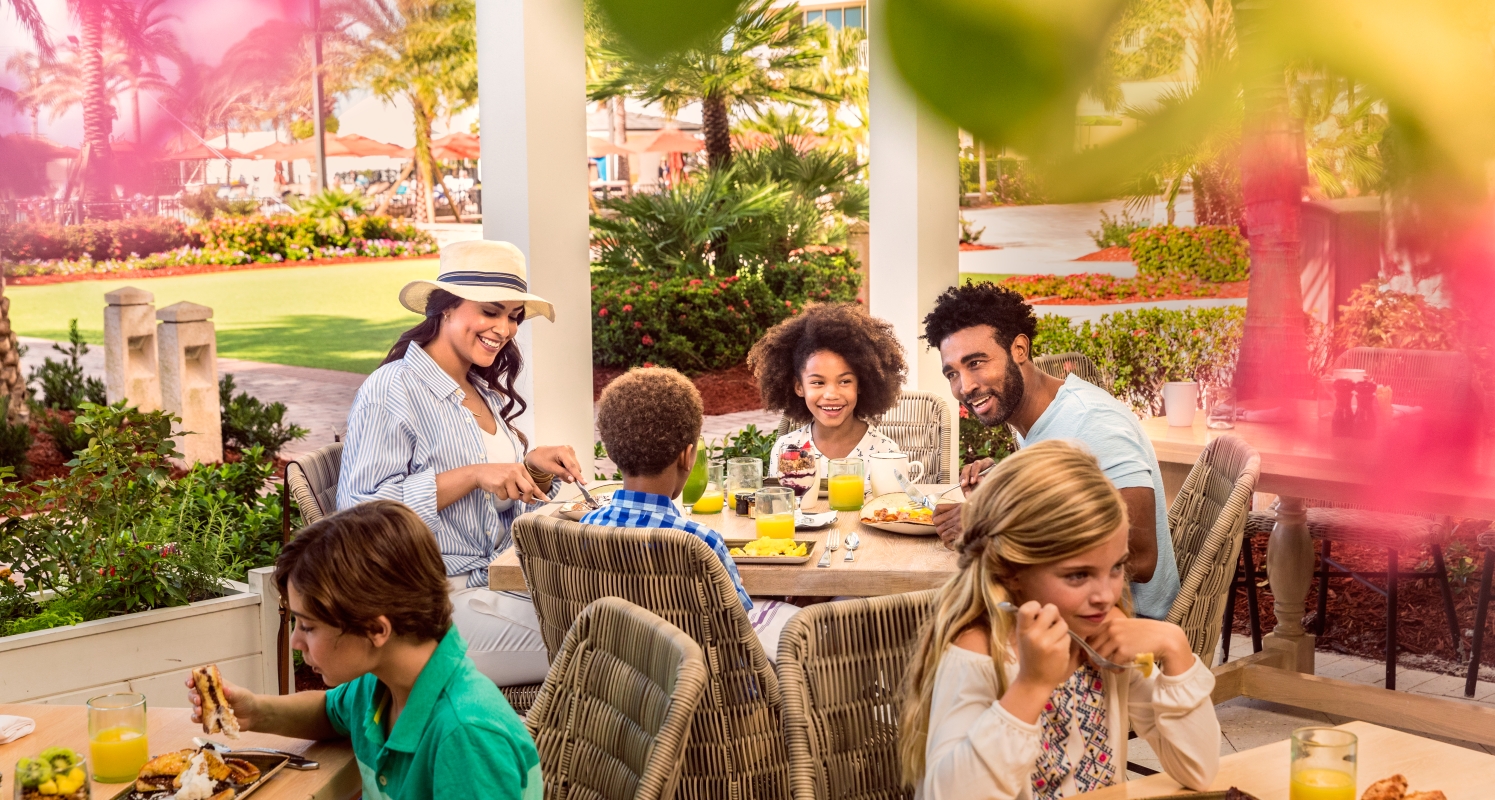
(575, 509)
(896, 513)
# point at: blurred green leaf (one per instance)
(655, 28)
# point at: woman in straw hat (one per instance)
(433, 428)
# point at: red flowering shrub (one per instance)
(1217, 253)
(96, 240)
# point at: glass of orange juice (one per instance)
(775, 513)
(1323, 764)
(116, 737)
(847, 483)
(714, 496)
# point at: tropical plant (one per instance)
(26, 99)
(206, 204)
(764, 55)
(835, 180)
(332, 208)
(63, 384)
(1343, 124)
(1206, 252)
(746, 443)
(1115, 231)
(842, 81)
(424, 51)
(144, 29)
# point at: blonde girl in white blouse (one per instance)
(832, 368)
(1003, 706)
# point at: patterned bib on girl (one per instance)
(1082, 700)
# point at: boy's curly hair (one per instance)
(868, 344)
(983, 303)
(647, 417)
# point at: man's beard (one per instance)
(1006, 400)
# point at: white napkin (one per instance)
(13, 728)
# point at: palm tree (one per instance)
(842, 76)
(764, 56)
(26, 99)
(599, 43)
(424, 51)
(66, 80)
(150, 41)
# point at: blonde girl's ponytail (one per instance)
(1043, 504)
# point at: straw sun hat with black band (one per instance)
(482, 271)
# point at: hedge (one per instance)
(95, 240)
(1214, 253)
(704, 324)
(1136, 351)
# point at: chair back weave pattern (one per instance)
(920, 425)
(1060, 365)
(1436, 380)
(736, 744)
(611, 720)
(313, 481)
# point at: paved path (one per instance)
(1046, 240)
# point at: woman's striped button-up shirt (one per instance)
(406, 426)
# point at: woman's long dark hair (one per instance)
(500, 375)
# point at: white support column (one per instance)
(915, 212)
(532, 92)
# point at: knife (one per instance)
(914, 495)
(293, 760)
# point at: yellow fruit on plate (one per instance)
(774, 547)
(48, 787)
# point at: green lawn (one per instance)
(338, 317)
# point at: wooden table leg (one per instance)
(1290, 571)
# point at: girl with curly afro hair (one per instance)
(832, 368)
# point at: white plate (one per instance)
(894, 500)
(574, 510)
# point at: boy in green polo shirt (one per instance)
(368, 592)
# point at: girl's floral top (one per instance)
(801, 439)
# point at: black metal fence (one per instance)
(73, 212)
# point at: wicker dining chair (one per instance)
(612, 720)
(1060, 365)
(1207, 520)
(736, 743)
(312, 480)
(840, 666)
(1439, 383)
(920, 425)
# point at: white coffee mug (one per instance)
(880, 468)
(1180, 401)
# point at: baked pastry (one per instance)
(1391, 788)
(1433, 795)
(217, 714)
(226, 794)
(241, 772)
(158, 774)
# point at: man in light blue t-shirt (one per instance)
(984, 334)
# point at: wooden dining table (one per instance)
(885, 563)
(1428, 764)
(170, 729)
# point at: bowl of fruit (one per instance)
(58, 773)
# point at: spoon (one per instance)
(1095, 657)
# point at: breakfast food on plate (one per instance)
(915, 514)
(1391, 788)
(217, 714)
(1145, 662)
(1236, 794)
(1395, 788)
(57, 773)
(193, 774)
(771, 547)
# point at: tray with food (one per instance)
(894, 513)
(203, 774)
(771, 551)
(575, 509)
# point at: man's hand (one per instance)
(970, 475)
(947, 523)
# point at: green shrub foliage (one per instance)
(15, 440)
(95, 240)
(248, 422)
(1209, 252)
(62, 383)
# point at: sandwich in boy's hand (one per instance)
(217, 714)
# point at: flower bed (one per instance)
(100, 249)
(1090, 288)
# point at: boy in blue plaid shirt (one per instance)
(650, 421)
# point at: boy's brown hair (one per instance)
(647, 417)
(374, 559)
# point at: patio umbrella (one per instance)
(668, 139)
(351, 145)
(597, 148)
(459, 142)
(203, 153)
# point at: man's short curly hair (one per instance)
(868, 344)
(983, 303)
(647, 417)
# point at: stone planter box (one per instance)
(150, 652)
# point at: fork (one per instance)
(1095, 657)
(832, 544)
(591, 501)
(852, 543)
